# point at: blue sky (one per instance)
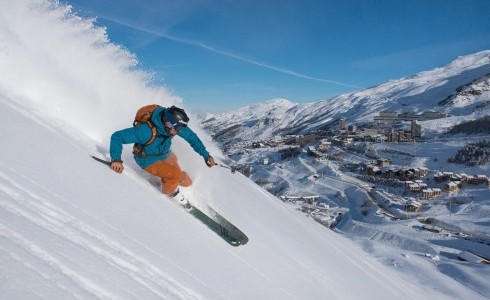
(219, 55)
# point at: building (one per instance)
(447, 175)
(373, 170)
(369, 133)
(393, 137)
(443, 176)
(342, 124)
(302, 141)
(290, 139)
(413, 206)
(311, 151)
(463, 176)
(290, 152)
(451, 186)
(437, 192)
(422, 171)
(415, 130)
(386, 118)
(414, 187)
(324, 145)
(348, 141)
(421, 184)
(404, 136)
(481, 178)
(472, 180)
(438, 177)
(383, 163)
(431, 115)
(429, 194)
(277, 139)
(300, 199)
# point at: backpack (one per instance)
(143, 115)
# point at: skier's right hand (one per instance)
(210, 161)
(117, 165)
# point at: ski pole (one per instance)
(232, 169)
(105, 162)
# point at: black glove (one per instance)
(209, 161)
(117, 165)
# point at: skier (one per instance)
(152, 140)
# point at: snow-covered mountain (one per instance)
(460, 89)
(70, 228)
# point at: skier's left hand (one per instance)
(210, 161)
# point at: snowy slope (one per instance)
(70, 228)
(460, 89)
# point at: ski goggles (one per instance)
(176, 124)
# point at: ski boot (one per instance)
(181, 199)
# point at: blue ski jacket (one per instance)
(160, 148)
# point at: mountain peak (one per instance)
(280, 102)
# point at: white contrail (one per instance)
(228, 54)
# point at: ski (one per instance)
(231, 229)
(216, 222)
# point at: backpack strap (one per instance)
(138, 149)
(153, 133)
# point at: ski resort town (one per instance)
(399, 191)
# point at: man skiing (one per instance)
(153, 139)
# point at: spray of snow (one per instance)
(65, 70)
(64, 67)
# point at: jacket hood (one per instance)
(156, 119)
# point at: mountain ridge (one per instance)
(418, 92)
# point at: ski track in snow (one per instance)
(20, 201)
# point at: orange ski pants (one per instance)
(170, 173)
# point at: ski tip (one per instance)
(244, 240)
(240, 240)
